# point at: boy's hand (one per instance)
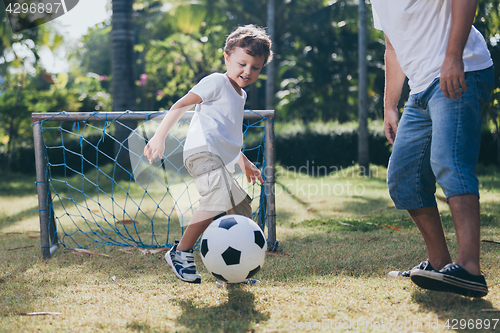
(155, 147)
(252, 172)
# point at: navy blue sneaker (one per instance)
(182, 263)
(452, 278)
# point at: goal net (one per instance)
(97, 188)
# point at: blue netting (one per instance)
(94, 200)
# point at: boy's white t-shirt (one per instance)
(217, 125)
(419, 30)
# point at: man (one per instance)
(433, 43)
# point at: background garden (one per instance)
(336, 246)
(178, 42)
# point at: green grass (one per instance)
(338, 239)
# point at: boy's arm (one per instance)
(249, 169)
(156, 145)
(452, 76)
(394, 81)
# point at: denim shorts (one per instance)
(219, 191)
(438, 140)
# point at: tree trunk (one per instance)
(124, 95)
(363, 137)
(11, 145)
(270, 82)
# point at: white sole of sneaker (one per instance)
(441, 282)
(394, 274)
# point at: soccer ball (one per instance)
(233, 248)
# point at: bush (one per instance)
(320, 145)
(23, 160)
(297, 145)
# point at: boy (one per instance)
(214, 141)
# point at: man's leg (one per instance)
(465, 212)
(412, 183)
(455, 150)
(463, 277)
(428, 222)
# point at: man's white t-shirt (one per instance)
(217, 125)
(419, 30)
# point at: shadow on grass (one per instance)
(363, 204)
(449, 306)
(11, 219)
(12, 184)
(16, 185)
(237, 314)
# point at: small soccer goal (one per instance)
(95, 186)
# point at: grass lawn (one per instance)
(340, 236)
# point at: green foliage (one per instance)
(318, 145)
(95, 54)
(183, 50)
(321, 146)
(178, 42)
(26, 87)
(318, 73)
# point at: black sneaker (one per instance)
(182, 263)
(452, 278)
(424, 265)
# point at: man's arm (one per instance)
(452, 70)
(394, 81)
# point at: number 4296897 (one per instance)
(478, 324)
(33, 8)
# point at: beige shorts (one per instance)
(218, 189)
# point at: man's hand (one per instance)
(452, 80)
(391, 119)
(394, 81)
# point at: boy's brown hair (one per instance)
(252, 39)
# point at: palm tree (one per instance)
(124, 94)
(363, 137)
(270, 67)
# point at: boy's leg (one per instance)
(244, 208)
(180, 257)
(241, 201)
(198, 224)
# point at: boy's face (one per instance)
(242, 68)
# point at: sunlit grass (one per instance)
(337, 249)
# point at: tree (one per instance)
(363, 137)
(270, 73)
(24, 82)
(124, 94)
(487, 22)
